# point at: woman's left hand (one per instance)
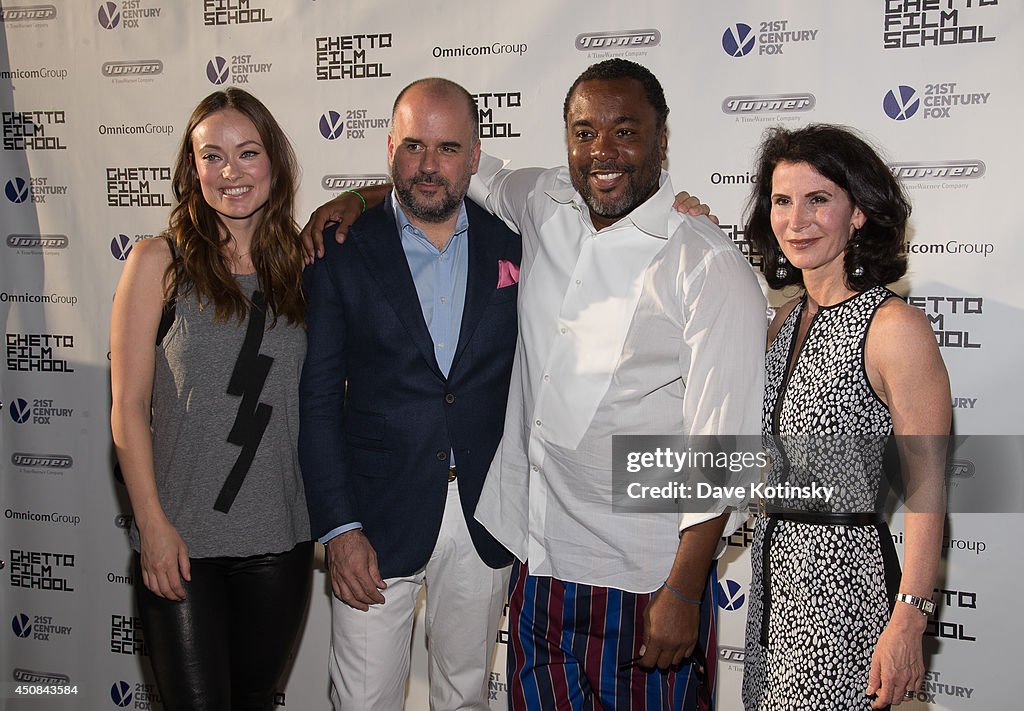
(897, 666)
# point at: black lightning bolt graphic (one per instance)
(247, 380)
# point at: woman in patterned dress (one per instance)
(833, 623)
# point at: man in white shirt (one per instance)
(634, 320)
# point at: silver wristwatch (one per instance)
(925, 605)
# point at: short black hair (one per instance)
(442, 84)
(618, 68)
(842, 156)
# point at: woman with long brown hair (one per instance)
(207, 344)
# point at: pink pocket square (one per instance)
(508, 273)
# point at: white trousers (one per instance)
(370, 651)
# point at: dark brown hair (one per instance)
(840, 155)
(199, 235)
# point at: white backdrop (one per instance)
(94, 96)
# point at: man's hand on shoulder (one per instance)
(352, 564)
(343, 210)
(691, 205)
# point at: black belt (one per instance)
(819, 518)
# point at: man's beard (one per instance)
(428, 212)
(641, 182)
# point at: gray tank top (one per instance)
(225, 430)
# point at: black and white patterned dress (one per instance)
(821, 594)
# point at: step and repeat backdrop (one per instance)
(94, 97)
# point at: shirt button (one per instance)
(440, 344)
(538, 423)
(444, 299)
(535, 468)
(449, 398)
(563, 330)
(547, 378)
(578, 282)
(442, 455)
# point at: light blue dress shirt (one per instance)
(440, 279)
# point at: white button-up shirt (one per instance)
(653, 325)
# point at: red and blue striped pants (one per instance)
(569, 642)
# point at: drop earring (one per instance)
(782, 271)
(856, 268)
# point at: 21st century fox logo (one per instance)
(126, 15)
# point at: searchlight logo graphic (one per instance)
(21, 625)
(901, 103)
(331, 125)
(738, 40)
(217, 70)
(16, 190)
(730, 595)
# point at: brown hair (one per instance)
(198, 234)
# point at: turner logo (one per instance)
(738, 40)
(732, 655)
(352, 56)
(33, 461)
(730, 595)
(768, 103)
(28, 13)
(46, 678)
(238, 69)
(127, 16)
(132, 69)
(929, 23)
(33, 244)
(938, 170)
(618, 41)
(355, 180)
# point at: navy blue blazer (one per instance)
(378, 418)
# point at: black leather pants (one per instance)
(226, 645)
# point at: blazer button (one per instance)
(449, 398)
(442, 455)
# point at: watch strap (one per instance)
(925, 605)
